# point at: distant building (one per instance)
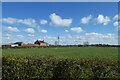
(19, 43)
(29, 45)
(41, 43)
(10, 45)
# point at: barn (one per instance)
(41, 43)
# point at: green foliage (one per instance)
(60, 63)
(77, 52)
(52, 68)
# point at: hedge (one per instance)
(51, 68)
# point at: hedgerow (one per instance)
(52, 68)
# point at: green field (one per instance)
(60, 63)
(76, 52)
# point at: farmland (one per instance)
(60, 63)
(76, 52)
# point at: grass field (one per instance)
(66, 52)
(60, 63)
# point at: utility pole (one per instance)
(58, 40)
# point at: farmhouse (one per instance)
(41, 43)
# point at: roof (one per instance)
(40, 41)
(18, 43)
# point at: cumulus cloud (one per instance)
(28, 21)
(115, 23)
(116, 17)
(29, 30)
(101, 19)
(66, 31)
(94, 37)
(76, 29)
(43, 21)
(43, 31)
(12, 29)
(92, 34)
(98, 35)
(9, 20)
(85, 20)
(58, 21)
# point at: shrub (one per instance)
(51, 68)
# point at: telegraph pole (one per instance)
(58, 40)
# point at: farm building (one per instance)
(29, 45)
(10, 45)
(41, 43)
(21, 44)
(36, 43)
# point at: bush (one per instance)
(51, 68)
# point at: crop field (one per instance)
(64, 52)
(59, 63)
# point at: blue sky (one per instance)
(75, 22)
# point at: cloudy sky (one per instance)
(75, 23)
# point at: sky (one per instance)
(73, 22)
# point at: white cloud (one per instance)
(98, 35)
(9, 20)
(50, 37)
(43, 31)
(31, 35)
(58, 21)
(12, 29)
(116, 17)
(77, 29)
(94, 37)
(85, 20)
(29, 30)
(115, 23)
(93, 34)
(43, 21)
(101, 19)
(66, 31)
(28, 21)
(20, 36)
